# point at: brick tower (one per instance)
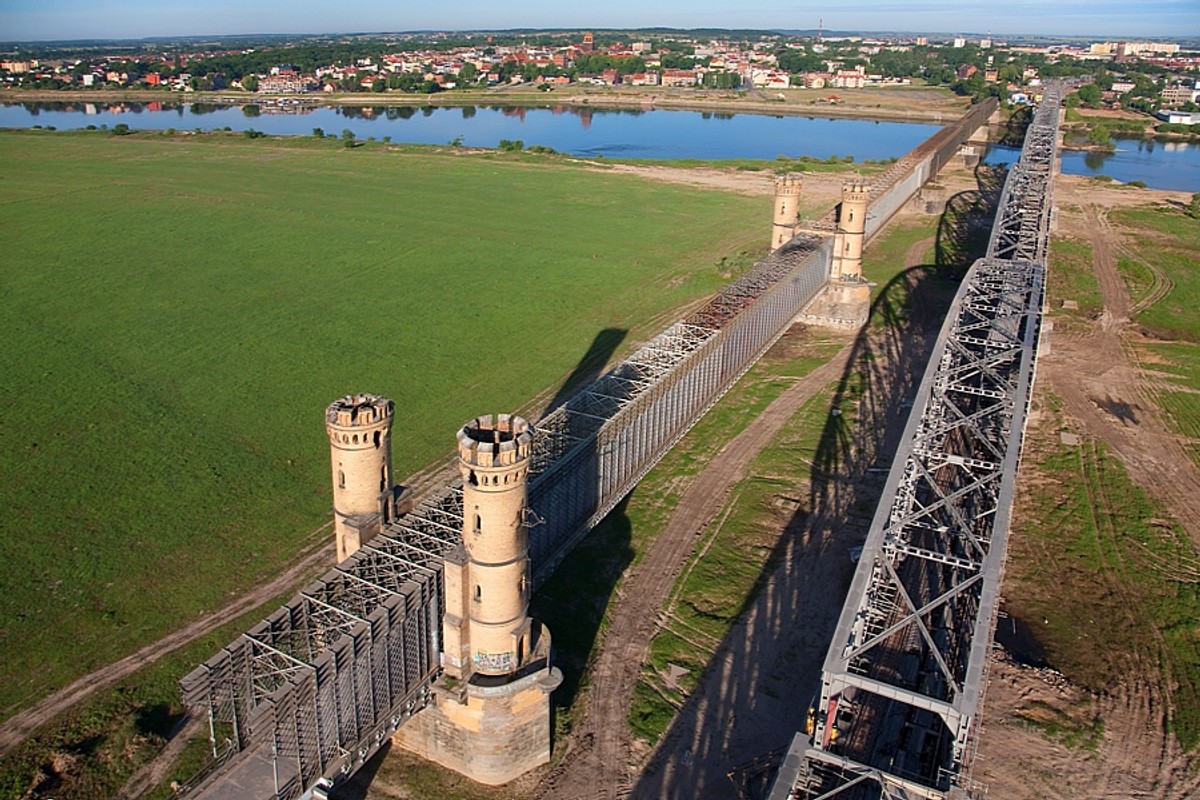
(491, 717)
(787, 209)
(360, 449)
(494, 631)
(852, 227)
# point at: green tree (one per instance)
(347, 135)
(468, 74)
(1099, 135)
(1194, 207)
(250, 83)
(1089, 95)
(318, 133)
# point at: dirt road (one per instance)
(1098, 378)
(315, 558)
(598, 763)
(1106, 396)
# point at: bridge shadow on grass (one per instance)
(573, 600)
(965, 227)
(754, 695)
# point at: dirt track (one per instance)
(598, 762)
(1105, 396)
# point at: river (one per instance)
(1160, 164)
(579, 131)
(614, 133)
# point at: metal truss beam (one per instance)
(902, 679)
(321, 678)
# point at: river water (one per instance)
(615, 133)
(1160, 164)
(580, 131)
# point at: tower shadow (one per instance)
(573, 600)
(589, 367)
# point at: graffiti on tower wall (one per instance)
(494, 661)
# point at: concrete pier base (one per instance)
(843, 305)
(490, 733)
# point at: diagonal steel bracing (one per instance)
(902, 680)
(316, 688)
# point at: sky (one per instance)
(27, 20)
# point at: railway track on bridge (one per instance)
(905, 672)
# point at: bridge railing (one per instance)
(903, 676)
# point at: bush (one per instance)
(250, 133)
(318, 133)
(120, 129)
(512, 145)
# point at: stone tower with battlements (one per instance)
(787, 209)
(490, 719)
(360, 448)
(851, 232)
(490, 604)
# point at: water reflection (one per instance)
(1094, 160)
(1159, 163)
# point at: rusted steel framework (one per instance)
(904, 674)
(894, 186)
(305, 697)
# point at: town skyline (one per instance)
(63, 20)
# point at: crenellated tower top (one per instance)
(496, 444)
(789, 184)
(856, 192)
(353, 419)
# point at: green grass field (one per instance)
(1083, 524)
(180, 310)
(1169, 239)
(1070, 277)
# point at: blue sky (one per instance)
(84, 19)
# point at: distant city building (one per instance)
(1179, 117)
(286, 82)
(984, 44)
(679, 77)
(1178, 95)
(960, 42)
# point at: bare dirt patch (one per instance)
(1032, 745)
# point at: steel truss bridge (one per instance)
(904, 676)
(305, 697)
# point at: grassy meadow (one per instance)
(179, 310)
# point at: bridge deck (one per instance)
(904, 674)
(315, 689)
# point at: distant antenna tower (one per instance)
(820, 28)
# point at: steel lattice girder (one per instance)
(917, 622)
(308, 679)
